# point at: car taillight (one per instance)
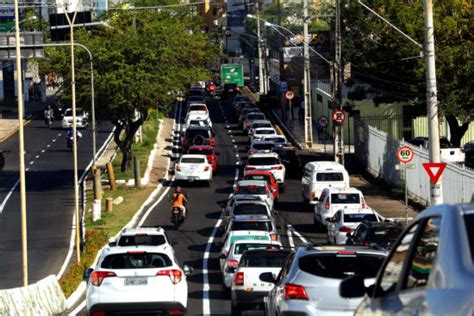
(213, 142)
(363, 203)
(178, 168)
(326, 205)
(206, 168)
(274, 237)
(249, 168)
(295, 292)
(345, 229)
(174, 275)
(98, 276)
(251, 152)
(232, 264)
(239, 278)
(175, 312)
(185, 142)
(98, 313)
(277, 168)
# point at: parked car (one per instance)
(130, 280)
(197, 135)
(343, 223)
(267, 176)
(429, 271)
(229, 263)
(318, 175)
(267, 162)
(82, 118)
(247, 288)
(332, 200)
(205, 150)
(382, 234)
(308, 283)
(193, 168)
(448, 152)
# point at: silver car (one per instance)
(430, 270)
(308, 283)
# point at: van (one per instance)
(318, 175)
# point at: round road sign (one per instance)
(289, 95)
(338, 116)
(405, 154)
(323, 121)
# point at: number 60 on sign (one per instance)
(405, 154)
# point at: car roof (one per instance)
(262, 155)
(250, 218)
(247, 198)
(248, 232)
(193, 156)
(198, 127)
(117, 250)
(243, 183)
(311, 249)
(250, 241)
(343, 190)
(143, 230)
(325, 165)
(254, 202)
(259, 141)
(261, 121)
(265, 129)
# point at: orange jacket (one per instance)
(179, 199)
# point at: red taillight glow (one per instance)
(232, 264)
(278, 168)
(326, 205)
(274, 237)
(345, 229)
(178, 168)
(295, 292)
(346, 253)
(213, 142)
(249, 168)
(239, 278)
(251, 152)
(98, 313)
(363, 203)
(175, 312)
(98, 276)
(206, 168)
(174, 275)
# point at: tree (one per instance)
(392, 65)
(141, 62)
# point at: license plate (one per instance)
(248, 289)
(136, 281)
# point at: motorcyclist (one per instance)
(179, 199)
(48, 113)
(69, 136)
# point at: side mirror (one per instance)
(86, 274)
(353, 287)
(187, 270)
(267, 277)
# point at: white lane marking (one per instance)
(289, 230)
(236, 155)
(27, 169)
(299, 235)
(79, 308)
(43, 151)
(8, 195)
(233, 141)
(37, 156)
(32, 162)
(48, 145)
(237, 162)
(54, 139)
(235, 146)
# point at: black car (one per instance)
(229, 91)
(382, 234)
(469, 151)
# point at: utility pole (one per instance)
(432, 99)
(337, 87)
(261, 81)
(281, 63)
(308, 120)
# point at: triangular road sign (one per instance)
(434, 170)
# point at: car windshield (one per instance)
(263, 259)
(276, 139)
(355, 218)
(259, 177)
(252, 225)
(249, 237)
(263, 146)
(341, 266)
(240, 248)
(250, 209)
(142, 240)
(251, 189)
(198, 122)
(329, 176)
(264, 132)
(263, 161)
(256, 116)
(444, 143)
(345, 198)
(136, 260)
(191, 133)
(193, 160)
(196, 151)
(196, 97)
(383, 235)
(469, 223)
(197, 108)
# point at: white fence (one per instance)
(377, 152)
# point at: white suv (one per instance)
(145, 236)
(134, 279)
(268, 162)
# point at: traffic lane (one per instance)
(50, 209)
(203, 214)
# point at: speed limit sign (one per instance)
(405, 154)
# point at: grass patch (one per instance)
(140, 150)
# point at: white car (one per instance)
(145, 236)
(332, 200)
(132, 279)
(229, 263)
(267, 162)
(257, 188)
(261, 132)
(197, 108)
(194, 118)
(344, 222)
(258, 124)
(193, 168)
(245, 207)
(279, 140)
(233, 236)
(261, 146)
(82, 118)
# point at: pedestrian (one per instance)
(301, 110)
(320, 130)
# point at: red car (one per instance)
(205, 150)
(264, 176)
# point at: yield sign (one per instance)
(434, 170)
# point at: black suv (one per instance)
(197, 135)
(230, 91)
(382, 234)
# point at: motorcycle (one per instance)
(177, 217)
(48, 120)
(70, 142)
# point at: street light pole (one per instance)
(337, 88)
(308, 121)
(21, 149)
(260, 59)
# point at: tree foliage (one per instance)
(141, 61)
(392, 65)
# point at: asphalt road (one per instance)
(50, 200)
(198, 239)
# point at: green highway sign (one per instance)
(7, 25)
(232, 73)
